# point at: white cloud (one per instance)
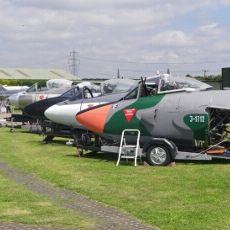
(109, 34)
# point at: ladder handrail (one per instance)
(137, 146)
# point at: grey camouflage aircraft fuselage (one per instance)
(6, 91)
(185, 117)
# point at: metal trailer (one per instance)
(17, 120)
(21, 118)
(157, 152)
(49, 130)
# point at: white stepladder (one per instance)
(129, 151)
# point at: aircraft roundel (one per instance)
(41, 97)
(90, 105)
(129, 113)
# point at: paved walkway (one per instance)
(106, 217)
(3, 116)
(3, 121)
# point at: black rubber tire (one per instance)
(86, 139)
(158, 155)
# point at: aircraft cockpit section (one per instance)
(132, 95)
(167, 82)
(165, 86)
(58, 83)
(56, 91)
(142, 90)
(82, 93)
(78, 95)
(34, 88)
(95, 89)
(70, 93)
(118, 85)
(87, 93)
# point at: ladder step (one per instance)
(128, 157)
(129, 146)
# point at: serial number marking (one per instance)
(196, 119)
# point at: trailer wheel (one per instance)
(86, 139)
(158, 155)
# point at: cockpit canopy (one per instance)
(118, 85)
(58, 83)
(111, 86)
(168, 82)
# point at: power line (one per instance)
(152, 63)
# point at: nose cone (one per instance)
(20, 100)
(38, 108)
(94, 119)
(33, 110)
(55, 114)
(63, 114)
(14, 99)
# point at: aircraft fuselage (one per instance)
(178, 116)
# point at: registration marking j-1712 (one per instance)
(197, 118)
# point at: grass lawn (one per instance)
(187, 196)
(18, 205)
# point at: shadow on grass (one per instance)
(114, 156)
(97, 155)
(103, 156)
(213, 161)
(55, 142)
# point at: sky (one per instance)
(137, 37)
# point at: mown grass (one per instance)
(19, 205)
(187, 196)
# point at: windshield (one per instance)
(77, 95)
(132, 94)
(69, 93)
(34, 88)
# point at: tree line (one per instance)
(42, 83)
